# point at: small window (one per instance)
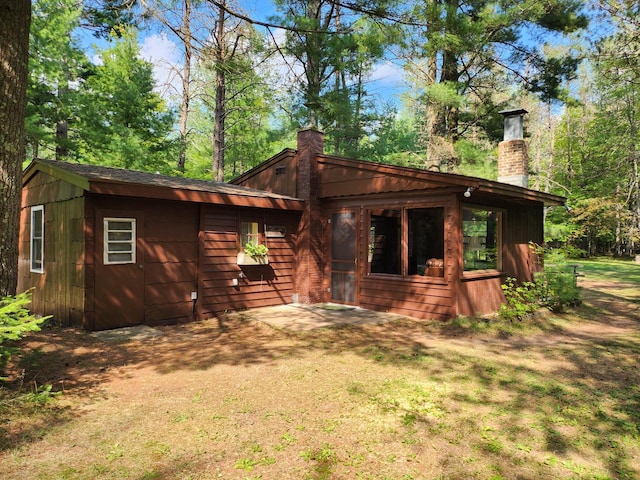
(249, 233)
(482, 233)
(119, 241)
(384, 242)
(37, 239)
(281, 171)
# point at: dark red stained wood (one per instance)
(272, 284)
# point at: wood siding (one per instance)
(168, 259)
(258, 285)
(417, 296)
(59, 290)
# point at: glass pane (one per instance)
(120, 258)
(121, 236)
(343, 236)
(384, 242)
(426, 241)
(119, 225)
(249, 233)
(37, 224)
(481, 231)
(120, 247)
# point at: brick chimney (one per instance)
(309, 266)
(513, 160)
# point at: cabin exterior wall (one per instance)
(58, 290)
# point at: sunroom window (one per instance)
(37, 239)
(384, 241)
(482, 232)
(426, 241)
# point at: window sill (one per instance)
(407, 278)
(481, 274)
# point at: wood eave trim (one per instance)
(62, 174)
(182, 195)
(513, 191)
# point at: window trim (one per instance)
(40, 268)
(106, 241)
(499, 241)
(257, 236)
(404, 241)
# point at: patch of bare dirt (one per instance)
(273, 380)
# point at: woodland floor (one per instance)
(395, 399)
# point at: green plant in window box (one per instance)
(256, 250)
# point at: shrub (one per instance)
(555, 288)
(15, 321)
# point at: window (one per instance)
(249, 233)
(37, 239)
(119, 241)
(384, 242)
(426, 241)
(482, 229)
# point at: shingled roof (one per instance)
(108, 180)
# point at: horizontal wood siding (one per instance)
(415, 298)
(480, 296)
(258, 285)
(59, 291)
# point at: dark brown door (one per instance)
(119, 269)
(343, 257)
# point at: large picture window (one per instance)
(426, 241)
(482, 232)
(384, 241)
(37, 239)
(119, 241)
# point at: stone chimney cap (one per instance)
(512, 112)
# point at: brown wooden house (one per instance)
(106, 248)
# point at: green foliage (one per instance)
(124, 122)
(555, 288)
(15, 322)
(256, 250)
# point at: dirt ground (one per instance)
(248, 357)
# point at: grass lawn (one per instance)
(557, 398)
(625, 274)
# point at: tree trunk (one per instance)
(15, 17)
(186, 83)
(219, 108)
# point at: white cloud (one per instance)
(165, 56)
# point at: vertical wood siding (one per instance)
(59, 291)
(262, 285)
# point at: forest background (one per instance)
(239, 79)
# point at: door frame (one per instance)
(329, 255)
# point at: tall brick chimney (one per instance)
(513, 160)
(309, 266)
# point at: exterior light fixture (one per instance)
(467, 194)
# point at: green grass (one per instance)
(609, 269)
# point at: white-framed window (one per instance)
(249, 233)
(37, 239)
(119, 240)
